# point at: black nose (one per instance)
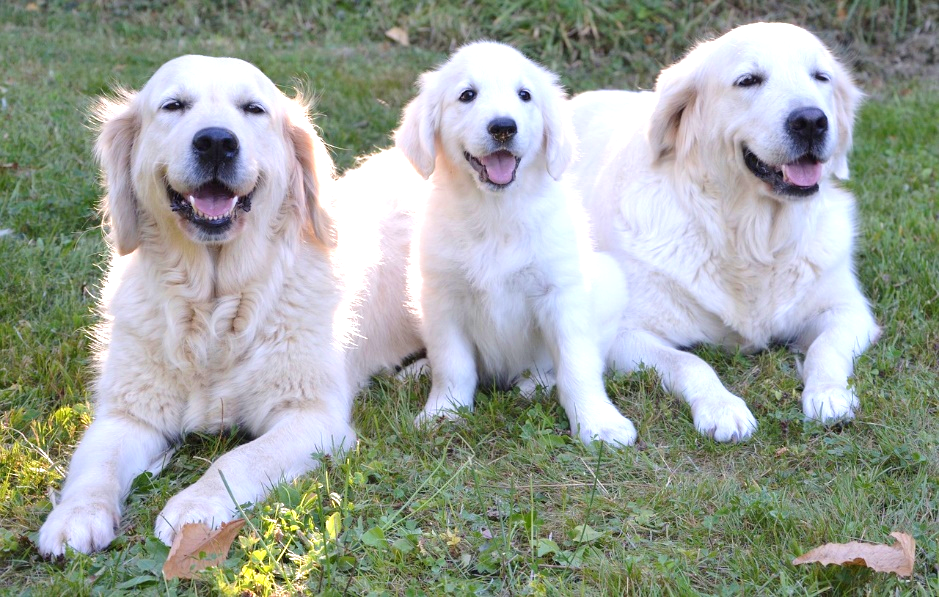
(502, 129)
(807, 124)
(215, 145)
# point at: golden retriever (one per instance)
(508, 281)
(717, 193)
(226, 301)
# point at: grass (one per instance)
(504, 502)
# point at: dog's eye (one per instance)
(173, 105)
(822, 77)
(468, 95)
(748, 80)
(253, 108)
(524, 95)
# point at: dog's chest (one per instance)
(753, 300)
(496, 297)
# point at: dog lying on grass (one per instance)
(718, 195)
(227, 302)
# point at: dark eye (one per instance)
(173, 105)
(524, 95)
(468, 95)
(254, 108)
(823, 77)
(748, 80)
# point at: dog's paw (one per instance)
(84, 526)
(191, 505)
(724, 419)
(609, 427)
(529, 384)
(413, 371)
(829, 405)
(431, 416)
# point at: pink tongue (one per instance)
(212, 201)
(500, 166)
(802, 174)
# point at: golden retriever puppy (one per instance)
(717, 193)
(508, 281)
(224, 305)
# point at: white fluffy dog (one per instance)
(717, 194)
(225, 302)
(509, 280)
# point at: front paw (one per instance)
(86, 527)
(829, 404)
(723, 419)
(431, 416)
(193, 505)
(606, 425)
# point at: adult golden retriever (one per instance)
(226, 303)
(717, 193)
(508, 281)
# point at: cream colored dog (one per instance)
(226, 302)
(509, 282)
(717, 194)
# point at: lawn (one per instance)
(504, 502)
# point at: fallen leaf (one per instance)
(897, 558)
(198, 547)
(399, 35)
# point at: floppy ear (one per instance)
(118, 126)
(847, 101)
(671, 130)
(416, 137)
(559, 134)
(313, 170)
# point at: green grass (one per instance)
(504, 502)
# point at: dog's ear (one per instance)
(118, 126)
(417, 135)
(847, 101)
(671, 129)
(559, 134)
(313, 169)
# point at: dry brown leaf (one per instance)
(198, 547)
(897, 558)
(399, 35)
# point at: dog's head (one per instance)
(209, 146)
(491, 113)
(766, 105)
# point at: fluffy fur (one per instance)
(223, 304)
(717, 194)
(508, 281)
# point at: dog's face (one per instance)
(207, 145)
(766, 106)
(492, 114)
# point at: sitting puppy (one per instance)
(717, 195)
(508, 282)
(226, 301)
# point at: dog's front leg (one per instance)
(453, 370)
(717, 413)
(114, 450)
(282, 453)
(579, 367)
(831, 341)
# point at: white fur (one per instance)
(508, 281)
(251, 328)
(711, 253)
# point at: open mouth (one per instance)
(212, 206)
(795, 179)
(497, 169)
